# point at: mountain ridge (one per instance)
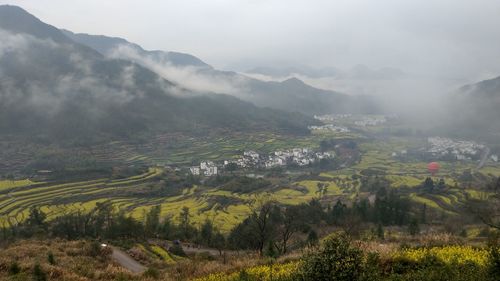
(64, 90)
(304, 99)
(103, 44)
(472, 109)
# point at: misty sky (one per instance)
(446, 38)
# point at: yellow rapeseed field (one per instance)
(261, 272)
(447, 254)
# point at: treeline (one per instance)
(105, 223)
(238, 184)
(273, 228)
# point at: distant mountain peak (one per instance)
(65, 90)
(294, 70)
(17, 20)
(293, 81)
(106, 45)
(488, 87)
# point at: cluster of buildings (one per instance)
(299, 156)
(252, 159)
(402, 152)
(370, 121)
(330, 127)
(249, 159)
(359, 120)
(332, 117)
(206, 168)
(461, 150)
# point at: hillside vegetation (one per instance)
(56, 89)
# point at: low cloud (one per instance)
(13, 42)
(417, 98)
(47, 90)
(190, 77)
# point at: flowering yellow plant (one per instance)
(261, 272)
(447, 254)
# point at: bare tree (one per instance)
(487, 207)
(261, 218)
(291, 223)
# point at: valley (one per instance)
(145, 178)
(309, 149)
(164, 161)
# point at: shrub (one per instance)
(371, 268)
(494, 260)
(94, 249)
(401, 265)
(177, 250)
(413, 227)
(337, 260)
(271, 250)
(494, 254)
(244, 276)
(312, 238)
(151, 272)
(38, 273)
(430, 260)
(204, 256)
(51, 259)
(14, 268)
(121, 276)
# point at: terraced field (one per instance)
(9, 184)
(449, 202)
(55, 199)
(227, 147)
(376, 155)
(225, 208)
(166, 149)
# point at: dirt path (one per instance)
(484, 157)
(192, 250)
(126, 261)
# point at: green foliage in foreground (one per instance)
(338, 259)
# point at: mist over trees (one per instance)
(59, 89)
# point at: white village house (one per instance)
(207, 168)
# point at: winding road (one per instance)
(126, 261)
(484, 157)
